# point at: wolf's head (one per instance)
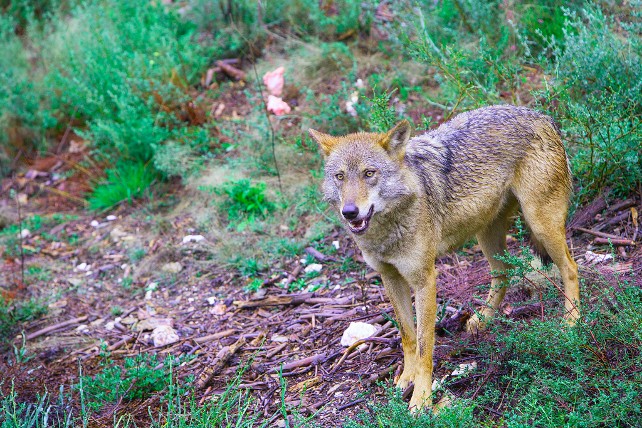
(364, 172)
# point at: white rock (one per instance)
(357, 331)
(111, 217)
(152, 323)
(359, 84)
(94, 223)
(148, 295)
(336, 244)
(82, 266)
(152, 286)
(464, 368)
(278, 338)
(25, 233)
(594, 258)
(174, 267)
(211, 301)
(193, 238)
(164, 335)
(303, 261)
(313, 267)
(110, 325)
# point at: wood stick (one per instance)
(318, 255)
(231, 70)
(622, 205)
(288, 299)
(215, 336)
(596, 233)
(54, 327)
(221, 360)
(313, 360)
(605, 241)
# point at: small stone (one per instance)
(82, 328)
(357, 331)
(111, 217)
(153, 323)
(82, 266)
(336, 244)
(193, 238)
(211, 300)
(174, 267)
(164, 335)
(219, 309)
(278, 338)
(313, 267)
(94, 223)
(110, 325)
(25, 233)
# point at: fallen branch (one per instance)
(607, 241)
(231, 70)
(596, 233)
(289, 299)
(215, 336)
(221, 360)
(55, 327)
(309, 361)
(318, 255)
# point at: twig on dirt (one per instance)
(356, 344)
(350, 404)
(617, 242)
(600, 234)
(231, 70)
(275, 351)
(22, 249)
(628, 203)
(215, 336)
(121, 342)
(55, 327)
(309, 361)
(318, 255)
(288, 299)
(221, 360)
(293, 276)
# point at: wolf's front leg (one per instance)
(398, 291)
(426, 304)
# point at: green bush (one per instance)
(596, 97)
(245, 199)
(124, 183)
(137, 379)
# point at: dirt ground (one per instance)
(224, 327)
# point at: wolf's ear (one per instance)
(394, 141)
(326, 142)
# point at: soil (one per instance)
(296, 333)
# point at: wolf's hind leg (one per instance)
(546, 222)
(492, 241)
(398, 291)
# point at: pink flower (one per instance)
(274, 81)
(277, 106)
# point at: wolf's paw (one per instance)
(475, 324)
(406, 378)
(419, 401)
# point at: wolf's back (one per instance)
(485, 149)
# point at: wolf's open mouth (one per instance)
(360, 226)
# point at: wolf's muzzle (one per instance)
(350, 211)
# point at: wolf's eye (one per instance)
(339, 176)
(370, 173)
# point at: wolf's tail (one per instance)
(540, 251)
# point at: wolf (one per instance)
(408, 200)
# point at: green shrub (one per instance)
(124, 183)
(245, 199)
(122, 69)
(139, 378)
(596, 97)
(14, 312)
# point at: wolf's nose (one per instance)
(350, 211)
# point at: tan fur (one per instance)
(421, 197)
